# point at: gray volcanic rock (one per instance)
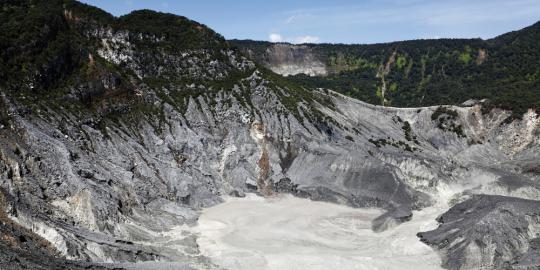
(20, 248)
(114, 167)
(287, 59)
(488, 232)
(530, 260)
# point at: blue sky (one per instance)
(345, 21)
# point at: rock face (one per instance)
(288, 59)
(20, 248)
(489, 232)
(417, 73)
(112, 166)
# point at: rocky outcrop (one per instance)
(21, 248)
(113, 167)
(104, 187)
(488, 232)
(288, 59)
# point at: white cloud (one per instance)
(297, 18)
(306, 39)
(457, 18)
(431, 37)
(290, 19)
(275, 37)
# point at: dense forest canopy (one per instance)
(44, 47)
(505, 70)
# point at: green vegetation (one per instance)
(378, 93)
(173, 32)
(341, 62)
(441, 110)
(174, 90)
(401, 62)
(46, 56)
(505, 70)
(48, 59)
(393, 87)
(397, 144)
(297, 94)
(465, 57)
(407, 130)
(447, 121)
(37, 51)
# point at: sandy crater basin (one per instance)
(292, 233)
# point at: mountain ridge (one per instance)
(113, 140)
(417, 72)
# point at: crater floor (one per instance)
(291, 233)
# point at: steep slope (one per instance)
(513, 232)
(115, 132)
(417, 73)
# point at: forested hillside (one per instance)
(505, 70)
